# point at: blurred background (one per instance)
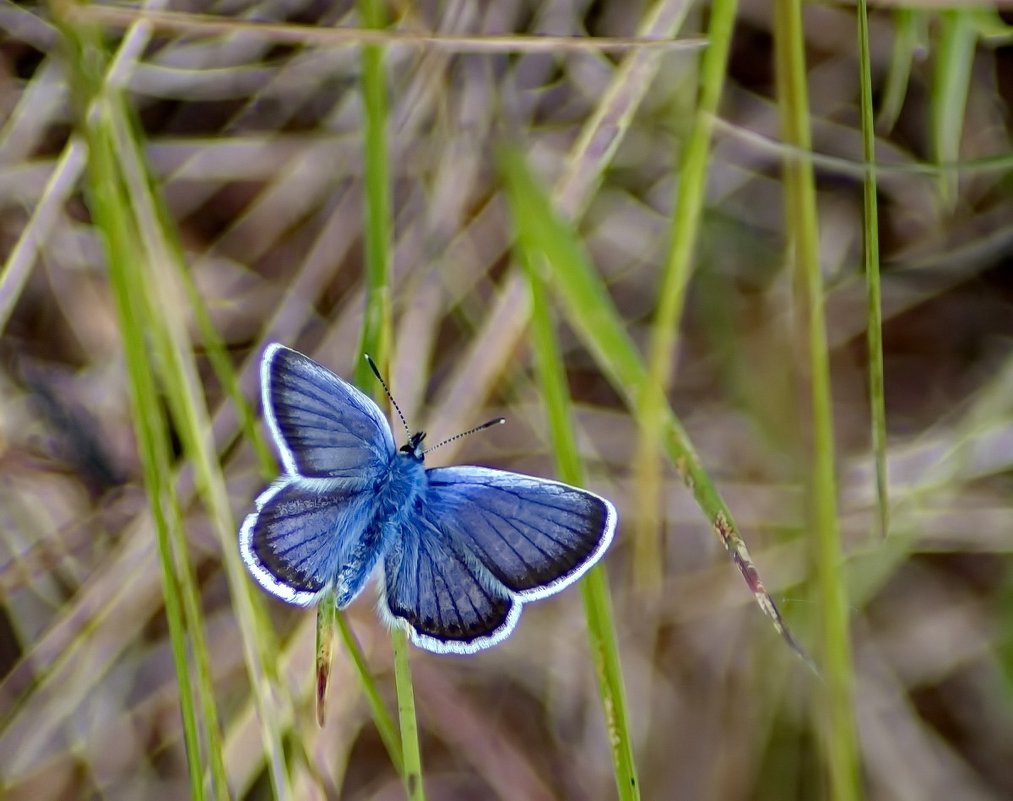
(255, 144)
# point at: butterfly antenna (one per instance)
(483, 427)
(376, 372)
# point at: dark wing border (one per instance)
(485, 583)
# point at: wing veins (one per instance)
(302, 426)
(506, 541)
(527, 501)
(301, 544)
(453, 602)
(510, 522)
(432, 576)
(325, 402)
(418, 573)
(333, 425)
(543, 504)
(298, 567)
(301, 390)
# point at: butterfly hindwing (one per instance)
(447, 599)
(323, 426)
(307, 534)
(533, 535)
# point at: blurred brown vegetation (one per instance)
(257, 149)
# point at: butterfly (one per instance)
(458, 550)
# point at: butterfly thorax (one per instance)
(403, 482)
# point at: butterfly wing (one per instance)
(307, 534)
(314, 526)
(533, 535)
(483, 542)
(323, 426)
(449, 602)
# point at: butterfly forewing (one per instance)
(533, 535)
(323, 426)
(446, 598)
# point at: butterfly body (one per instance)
(460, 548)
(396, 496)
(402, 486)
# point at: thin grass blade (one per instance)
(951, 83)
(376, 330)
(591, 312)
(836, 721)
(663, 349)
(870, 235)
(594, 587)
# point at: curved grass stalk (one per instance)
(110, 191)
(686, 216)
(594, 587)
(594, 317)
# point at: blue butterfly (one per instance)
(461, 549)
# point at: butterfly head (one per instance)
(414, 447)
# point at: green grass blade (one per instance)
(146, 278)
(593, 315)
(689, 201)
(594, 587)
(110, 203)
(152, 433)
(412, 765)
(951, 83)
(907, 23)
(328, 618)
(376, 326)
(220, 361)
(327, 614)
(877, 391)
(384, 723)
(837, 723)
(173, 357)
(162, 226)
(376, 332)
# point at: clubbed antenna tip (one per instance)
(487, 424)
